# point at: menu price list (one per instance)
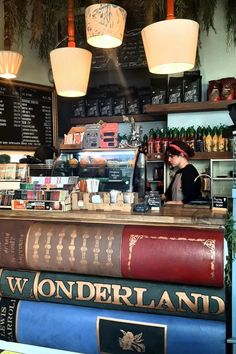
(25, 116)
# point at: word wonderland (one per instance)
(114, 293)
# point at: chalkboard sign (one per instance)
(26, 114)
(219, 202)
(115, 174)
(128, 56)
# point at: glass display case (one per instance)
(116, 169)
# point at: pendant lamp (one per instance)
(170, 45)
(10, 63)
(70, 65)
(105, 24)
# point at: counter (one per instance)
(176, 215)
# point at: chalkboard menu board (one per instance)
(26, 117)
(128, 56)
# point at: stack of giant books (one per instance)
(96, 288)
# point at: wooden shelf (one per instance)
(197, 156)
(158, 112)
(145, 117)
(212, 155)
(188, 107)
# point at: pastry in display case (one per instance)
(115, 169)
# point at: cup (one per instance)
(127, 198)
(113, 196)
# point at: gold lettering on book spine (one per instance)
(84, 248)
(59, 257)
(71, 247)
(37, 236)
(96, 249)
(109, 250)
(48, 247)
(209, 244)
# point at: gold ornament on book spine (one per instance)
(48, 247)
(96, 249)
(71, 247)
(59, 257)
(84, 249)
(35, 256)
(109, 250)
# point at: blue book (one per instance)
(93, 331)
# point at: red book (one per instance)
(173, 254)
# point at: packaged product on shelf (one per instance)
(159, 90)
(79, 109)
(175, 92)
(93, 107)
(228, 88)
(133, 105)
(106, 106)
(192, 86)
(119, 105)
(214, 90)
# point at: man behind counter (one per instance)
(184, 186)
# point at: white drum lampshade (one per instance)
(170, 46)
(105, 25)
(10, 63)
(71, 70)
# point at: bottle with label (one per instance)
(215, 139)
(165, 140)
(145, 144)
(204, 134)
(175, 134)
(199, 141)
(170, 135)
(209, 139)
(182, 134)
(151, 141)
(157, 143)
(191, 137)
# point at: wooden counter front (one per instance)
(176, 215)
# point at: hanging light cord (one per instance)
(71, 24)
(70, 28)
(170, 10)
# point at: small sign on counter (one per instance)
(219, 203)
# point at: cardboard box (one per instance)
(39, 205)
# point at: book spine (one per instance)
(85, 330)
(114, 293)
(167, 254)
